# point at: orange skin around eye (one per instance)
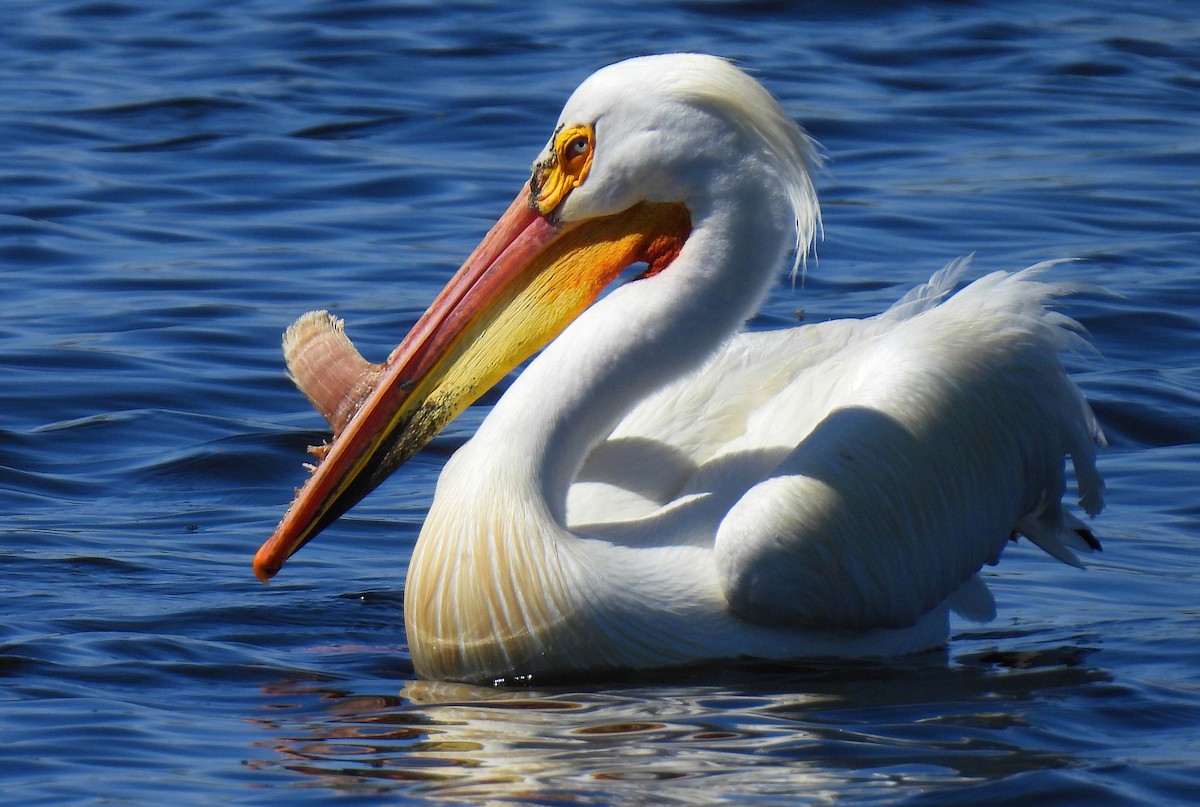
(566, 169)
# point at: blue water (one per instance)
(181, 179)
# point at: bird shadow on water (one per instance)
(807, 732)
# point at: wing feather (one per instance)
(928, 449)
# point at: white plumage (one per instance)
(658, 489)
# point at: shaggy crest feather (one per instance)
(713, 83)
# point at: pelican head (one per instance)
(645, 153)
(670, 125)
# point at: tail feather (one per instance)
(1084, 539)
(1060, 536)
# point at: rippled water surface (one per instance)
(179, 180)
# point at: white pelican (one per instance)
(658, 488)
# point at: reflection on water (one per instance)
(774, 733)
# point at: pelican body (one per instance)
(659, 487)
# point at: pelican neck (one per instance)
(639, 338)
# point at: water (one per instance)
(179, 180)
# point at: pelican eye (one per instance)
(576, 148)
(567, 169)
